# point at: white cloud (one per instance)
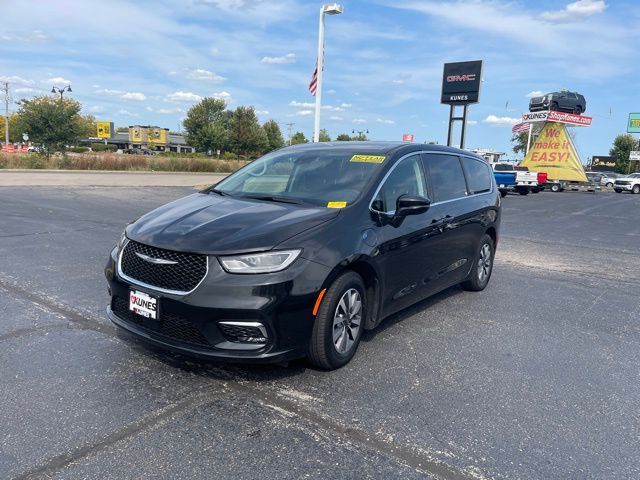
(226, 96)
(397, 81)
(359, 121)
(495, 120)
(133, 96)
(127, 113)
(535, 93)
(575, 11)
(57, 80)
(14, 79)
(309, 105)
(170, 110)
(304, 113)
(181, 96)
(262, 112)
(288, 58)
(25, 90)
(27, 37)
(96, 109)
(345, 105)
(336, 118)
(331, 91)
(472, 122)
(108, 91)
(293, 103)
(204, 75)
(385, 121)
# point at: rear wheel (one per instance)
(554, 106)
(617, 190)
(577, 110)
(339, 323)
(503, 193)
(482, 267)
(610, 184)
(555, 187)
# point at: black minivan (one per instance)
(298, 252)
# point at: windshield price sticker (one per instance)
(368, 158)
(336, 204)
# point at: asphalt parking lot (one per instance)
(537, 377)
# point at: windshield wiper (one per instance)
(275, 198)
(219, 192)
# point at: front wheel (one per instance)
(610, 184)
(617, 190)
(483, 266)
(339, 323)
(635, 189)
(503, 193)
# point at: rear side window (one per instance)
(478, 175)
(445, 177)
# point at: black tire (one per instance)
(535, 190)
(523, 191)
(617, 190)
(323, 352)
(503, 193)
(554, 106)
(555, 187)
(476, 282)
(577, 110)
(636, 189)
(610, 184)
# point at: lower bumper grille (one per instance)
(244, 332)
(172, 327)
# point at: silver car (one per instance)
(609, 178)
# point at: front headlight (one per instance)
(266, 262)
(123, 239)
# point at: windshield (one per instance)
(327, 177)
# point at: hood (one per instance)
(211, 224)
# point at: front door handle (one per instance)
(444, 220)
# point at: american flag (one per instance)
(520, 127)
(313, 85)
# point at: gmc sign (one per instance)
(461, 82)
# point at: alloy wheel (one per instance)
(347, 320)
(484, 263)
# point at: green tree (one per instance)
(519, 140)
(206, 125)
(298, 137)
(87, 125)
(360, 137)
(51, 122)
(343, 137)
(274, 135)
(246, 134)
(15, 135)
(622, 147)
(324, 135)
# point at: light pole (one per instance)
(61, 90)
(329, 9)
(360, 132)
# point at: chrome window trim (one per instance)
(420, 152)
(126, 277)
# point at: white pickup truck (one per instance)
(526, 181)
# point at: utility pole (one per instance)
(6, 113)
(289, 130)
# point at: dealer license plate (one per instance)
(143, 304)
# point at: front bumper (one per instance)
(623, 187)
(189, 324)
(537, 107)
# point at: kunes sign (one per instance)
(461, 82)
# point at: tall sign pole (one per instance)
(460, 87)
(316, 123)
(6, 113)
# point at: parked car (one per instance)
(506, 182)
(526, 181)
(629, 183)
(139, 151)
(595, 178)
(609, 178)
(563, 101)
(301, 250)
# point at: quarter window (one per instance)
(478, 175)
(445, 177)
(406, 178)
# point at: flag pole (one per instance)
(316, 124)
(529, 138)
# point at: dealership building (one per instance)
(141, 136)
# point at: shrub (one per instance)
(78, 149)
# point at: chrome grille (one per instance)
(178, 271)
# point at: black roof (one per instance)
(381, 148)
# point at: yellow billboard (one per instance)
(553, 152)
(148, 135)
(104, 129)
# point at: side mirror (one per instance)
(411, 205)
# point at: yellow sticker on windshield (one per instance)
(368, 158)
(336, 204)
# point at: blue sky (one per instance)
(146, 62)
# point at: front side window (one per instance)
(319, 177)
(478, 175)
(445, 177)
(406, 178)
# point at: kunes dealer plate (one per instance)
(143, 304)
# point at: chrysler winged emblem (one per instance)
(156, 261)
